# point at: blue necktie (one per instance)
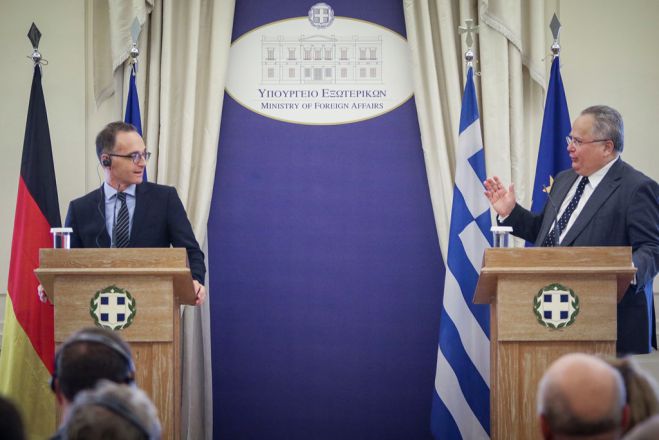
(551, 240)
(121, 232)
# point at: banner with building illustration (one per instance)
(324, 261)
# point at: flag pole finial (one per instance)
(555, 27)
(469, 29)
(134, 51)
(35, 36)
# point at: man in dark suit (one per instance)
(601, 201)
(127, 212)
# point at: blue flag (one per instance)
(552, 155)
(133, 107)
(461, 401)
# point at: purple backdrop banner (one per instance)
(325, 269)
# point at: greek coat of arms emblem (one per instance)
(113, 308)
(556, 306)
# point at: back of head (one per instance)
(646, 430)
(88, 356)
(581, 396)
(112, 411)
(11, 423)
(642, 391)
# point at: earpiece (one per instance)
(106, 161)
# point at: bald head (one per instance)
(581, 395)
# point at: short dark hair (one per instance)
(608, 124)
(80, 363)
(107, 137)
(11, 423)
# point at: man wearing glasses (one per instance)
(601, 201)
(127, 212)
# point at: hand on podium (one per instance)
(200, 292)
(42, 294)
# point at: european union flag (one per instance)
(552, 155)
(133, 106)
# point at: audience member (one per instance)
(112, 412)
(581, 396)
(11, 423)
(641, 391)
(86, 357)
(646, 430)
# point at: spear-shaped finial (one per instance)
(35, 36)
(134, 51)
(555, 27)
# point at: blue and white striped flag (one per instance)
(461, 401)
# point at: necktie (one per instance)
(121, 233)
(551, 239)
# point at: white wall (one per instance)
(62, 25)
(609, 56)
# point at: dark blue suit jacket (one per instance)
(622, 211)
(159, 220)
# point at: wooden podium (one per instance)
(158, 280)
(521, 348)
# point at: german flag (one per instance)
(26, 360)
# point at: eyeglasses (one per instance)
(578, 142)
(135, 157)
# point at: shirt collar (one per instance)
(111, 192)
(595, 178)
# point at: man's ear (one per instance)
(544, 427)
(610, 148)
(58, 393)
(626, 418)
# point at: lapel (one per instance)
(141, 210)
(103, 237)
(603, 191)
(558, 193)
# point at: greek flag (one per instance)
(461, 401)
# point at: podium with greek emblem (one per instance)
(136, 292)
(544, 303)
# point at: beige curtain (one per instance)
(184, 48)
(512, 63)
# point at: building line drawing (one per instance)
(319, 59)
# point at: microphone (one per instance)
(101, 200)
(556, 225)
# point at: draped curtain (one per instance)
(512, 63)
(184, 49)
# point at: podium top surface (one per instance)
(127, 261)
(553, 260)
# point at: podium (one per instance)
(157, 280)
(521, 346)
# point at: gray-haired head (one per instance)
(112, 411)
(608, 124)
(581, 395)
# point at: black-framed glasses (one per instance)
(135, 157)
(578, 142)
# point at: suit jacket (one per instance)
(622, 211)
(159, 220)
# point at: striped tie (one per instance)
(550, 239)
(121, 233)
